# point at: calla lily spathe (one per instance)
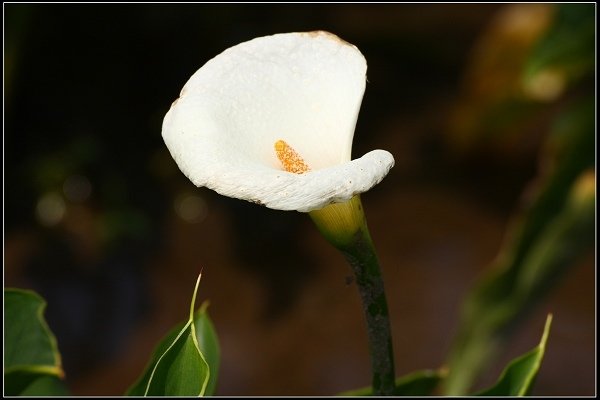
(301, 89)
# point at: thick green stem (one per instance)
(364, 262)
(353, 239)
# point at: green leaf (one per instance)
(181, 370)
(139, 388)
(32, 364)
(418, 383)
(518, 377)
(29, 343)
(185, 362)
(209, 346)
(23, 383)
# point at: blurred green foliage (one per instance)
(556, 225)
(569, 45)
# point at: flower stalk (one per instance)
(344, 225)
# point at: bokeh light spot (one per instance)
(191, 208)
(50, 209)
(546, 85)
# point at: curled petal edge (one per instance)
(306, 192)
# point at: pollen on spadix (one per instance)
(290, 160)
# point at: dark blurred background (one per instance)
(99, 220)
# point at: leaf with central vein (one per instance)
(185, 362)
(518, 377)
(180, 371)
(209, 346)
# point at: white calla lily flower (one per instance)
(271, 121)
